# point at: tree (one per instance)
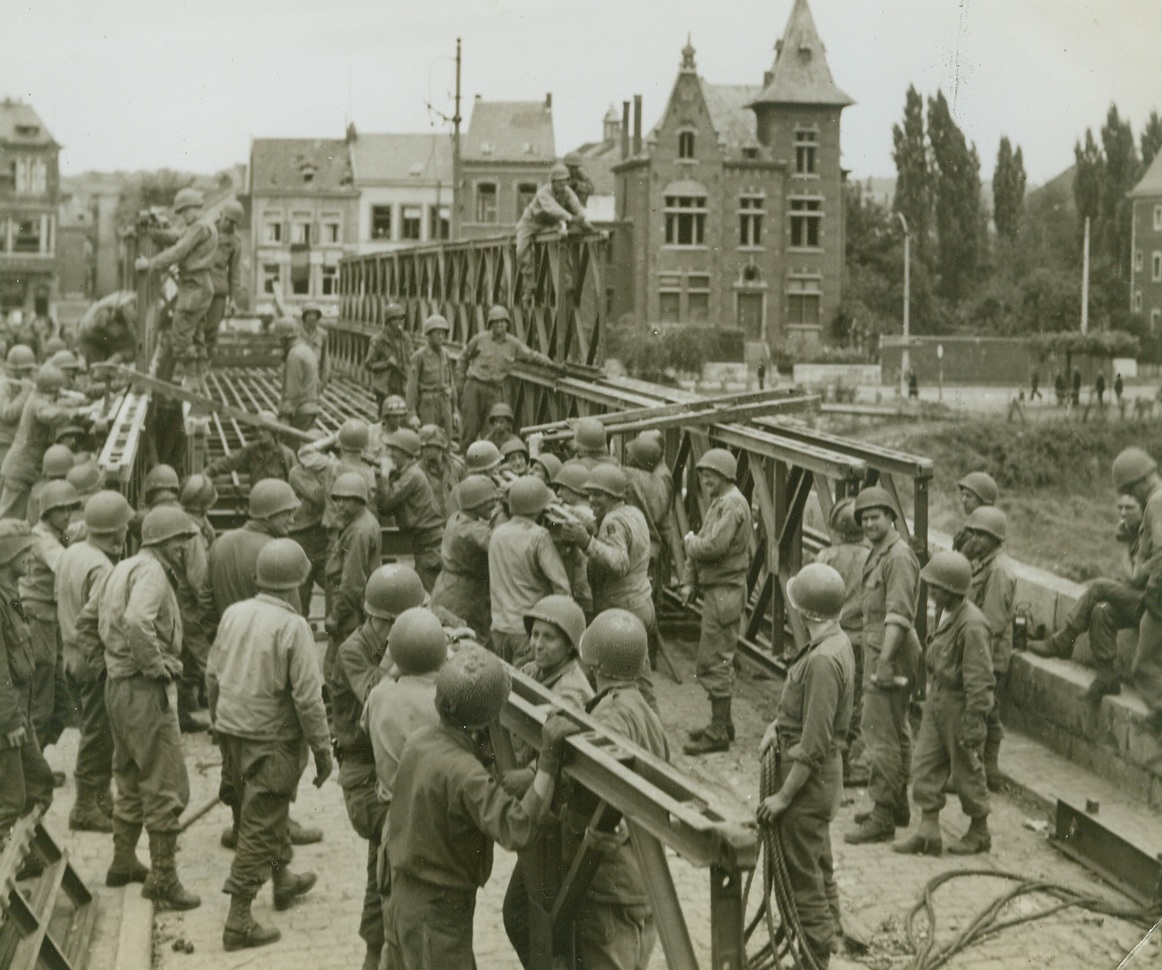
(913, 197)
(1008, 189)
(1151, 138)
(958, 215)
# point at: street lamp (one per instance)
(905, 357)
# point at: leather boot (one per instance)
(288, 885)
(126, 867)
(877, 827)
(162, 885)
(1104, 682)
(716, 736)
(86, 815)
(926, 841)
(241, 931)
(190, 722)
(1059, 645)
(901, 815)
(300, 835)
(371, 958)
(976, 839)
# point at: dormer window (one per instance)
(686, 145)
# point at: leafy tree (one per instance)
(913, 175)
(1008, 189)
(1088, 180)
(1151, 138)
(958, 215)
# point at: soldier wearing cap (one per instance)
(431, 393)
(555, 206)
(717, 560)
(387, 356)
(225, 272)
(193, 253)
(407, 494)
(262, 457)
(301, 384)
(462, 586)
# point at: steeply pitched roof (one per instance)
(800, 74)
(1150, 185)
(402, 158)
(599, 157)
(21, 125)
(510, 131)
(301, 165)
(730, 114)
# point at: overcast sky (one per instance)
(127, 84)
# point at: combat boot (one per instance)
(126, 867)
(288, 886)
(976, 839)
(926, 841)
(300, 835)
(1059, 645)
(188, 721)
(86, 815)
(1104, 682)
(877, 827)
(241, 931)
(716, 736)
(901, 814)
(162, 884)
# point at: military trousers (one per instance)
(368, 815)
(722, 608)
(94, 769)
(429, 926)
(25, 781)
(1105, 607)
(435, 407)
(887, 738)
(612, 936)
(313, 541)
(187, 340)
(940, 758)
(1146, 668)
(50, 702)
(477, 401)
(149, 767)
(213, 319)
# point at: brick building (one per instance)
(733, 202)
(1146, 249)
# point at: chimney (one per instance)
(637, 124)
(549, 101)
(768, 76)
(625, 130)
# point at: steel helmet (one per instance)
(281, 564)
(393, 311)
(284, 328)
(512, 446)
(187, 198)
(393, 404)
(164, 523)
(1131, 466)
(309, 308)
(391, 589)
(436, 322)
(501, 410)
(615, 644)
(608, 479)
(950, 571)
(69, 431)
(233, 211)
(982, 485)
(85, 477)
(472, 687)
(475, 491)
(496, 313)
(564, 613)
(53, 344)
(107, 511)
(874, 497)
(989, 519)
(199, 491)
(721, 461)
(417, 641)
(646, 451)
(589, 435)
(15, 536)
(842, 518)
(160, 478)
(481, 456)
(351, 485)
(353, 435)
(528, 495)
(559, 173)
(572, 158)
(270, 496)
(432, 436)
(21, 358)
(573, 476)
(817, 591)
(57, 461)
(50, 379)
(58, 495)
(66, 360)
(549, 462)
(405, 440)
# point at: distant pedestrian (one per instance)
(913, 385)
(1099, 387)
(1076, 388)
(1119, 388)
(1059, 388)
(1035, 386)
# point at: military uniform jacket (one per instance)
(993, 591)
(523, 568)
(619, 560)
(81, 570)
(224, 274)
(545, 211)
(353, 677)
(315, 336)
(230, 575)
(34, 433)
(1148, 572)
(300, 380)
(407, 494)
(38, 586)
(891, 589)
(13, 397)
(490, 360)
(429, 373)
(568, 682)
(959, 658)
(351, 559)
(387, 356)
(848, 559)
(462, 585)
(654, 495)
(193, 253)
(16, 667)
(256, 460)
(816, 703)
(720, 554)
(395, 710)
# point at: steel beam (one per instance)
(1114, 857)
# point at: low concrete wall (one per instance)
(847, 374)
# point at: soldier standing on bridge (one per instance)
(430, 392)
(444, 470)
(352, 556)
(315, 335)
(299, 404)
(462, 586)
(555, 205)
(387, 356)
(407, 494)
(590, 444)
(717, 560)
(225, 274)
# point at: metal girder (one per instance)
(875, 456)
(1112, 856)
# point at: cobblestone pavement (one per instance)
(877, 887)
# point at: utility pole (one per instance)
(1085, 281)
(905, 356)
(457, 189)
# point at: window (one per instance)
(698, 298)
(1137, 301)
(1138, 261)
(301, 229)
(486, 202)
(31, 175)
(685, 220)
(3, 235)
(669, 304)
(440, 220)
(26, 238)
(330, 281)
(686, 144)
(803, 299)
(1158, 218)
(381, 222)
(750, 220)
(332, 228)
(805, 217)
(524, 195)
(411, 222)
(1156, 267)
(805, 144)
(1155, 320)
(272, 229)
(270, 277)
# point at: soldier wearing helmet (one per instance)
(484, 365)
(225, 274)
(717, 560)
(555, 626)
(352, 441)
(579, 182)
(890, 598)
(135, 623)
(500, 424)
(264, 456)
(954, 725)
(57, 463)
(301, 382)
(815, 709)
(590, 446)
(14, 393)
(352, 556)
(975, 490)
(393, 415)
(523, 567)
(462, 586)
(388, 353)
(555, 206)
(514, 457)
(651, 489)
(266, 698)
(569, 485)
(192, 252)
(447, 809)
(198, 496)
(444, 469)
(406, 493)
(431, 392)
(83, 566)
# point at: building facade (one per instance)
(734, 201)
(1146, 248)
(29, 197)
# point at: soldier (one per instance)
(387, 356)
(27, 777)
(134, 620)
(225, 273)
(55, 467)
(299, 404)
(590, 446)
(462, 586)
(500, 424)
(485, 363)
(307, 528)
(523, 567)
(717, 560)
(569, 485)
(975, 489)
(81, 571)
(14, 393)
(578, 181)
(993, 591)
(651, 489)
(351, 558)
(392, 415)
(193, 254)
(431, 395)
(266, 699)
(352, 438)
(444, 470)
(197, 497)
(263, 457)
(555, 626)
(106, 331)
(406, 493)
(514, 456)
(553, 207)
(447, 809)
(807, 737)
(953, 728)
(891, 593)
(545, 466)
(315, 334)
